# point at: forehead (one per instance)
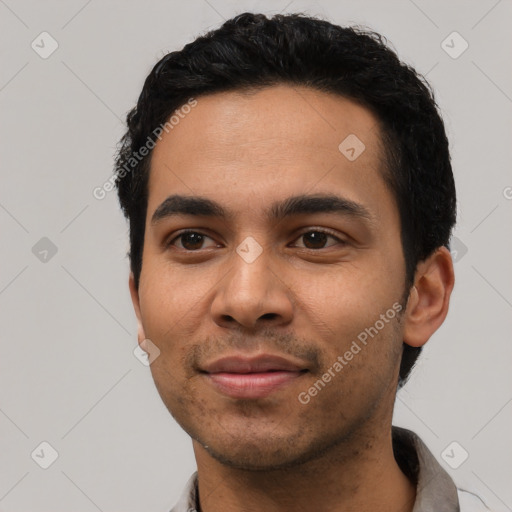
(274, 141)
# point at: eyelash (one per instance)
(324, 231)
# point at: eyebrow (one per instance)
(176, 205)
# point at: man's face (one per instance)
(224, 303)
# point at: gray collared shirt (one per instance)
(435, 490)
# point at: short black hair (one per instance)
(251, 51)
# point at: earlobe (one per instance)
(136, 306)
(427, 305)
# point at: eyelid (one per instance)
(169, 241)
(326, 231)
(319, 229)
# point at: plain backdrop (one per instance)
(67, 329)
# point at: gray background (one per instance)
(68, 373)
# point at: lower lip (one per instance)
(251, 385)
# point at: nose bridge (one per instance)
(250, 289)
(250, 265)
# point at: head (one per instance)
(274, 126)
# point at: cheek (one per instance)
(348, 298)
(351, 315)
(171, 299)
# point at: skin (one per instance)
(306, 300)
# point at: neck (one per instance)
(359, 473)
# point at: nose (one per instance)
(252, 293)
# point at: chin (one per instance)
(253, 458)
(266, 453)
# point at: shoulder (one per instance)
(470, 502)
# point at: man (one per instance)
(290, 198)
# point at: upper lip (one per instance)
(255, 364)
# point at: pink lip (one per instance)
(257, 377)
(251, 385)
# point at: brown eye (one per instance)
(190, 240)
(316, 239)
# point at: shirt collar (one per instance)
(435, 490)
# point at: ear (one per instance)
(429, 298)
(136, 306)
